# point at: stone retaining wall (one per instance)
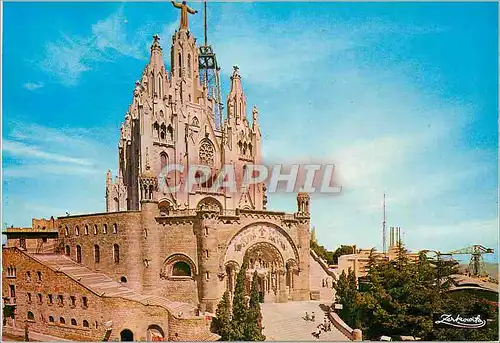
(352, 334)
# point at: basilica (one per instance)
(155, 264)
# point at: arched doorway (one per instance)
(266, 262)
(78, 254)
(155, 333)
(126, 336)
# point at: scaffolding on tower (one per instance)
(209, 71)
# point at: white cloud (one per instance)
(36, 170)
(110, 34)
(68, 58)
(33, 86)
(38, 150)
(22, 151)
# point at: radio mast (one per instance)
(384, 230)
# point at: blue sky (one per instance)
(401, 96)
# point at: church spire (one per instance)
(156, 58)
(236, 100)
(236, 82)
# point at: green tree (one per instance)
(322, 252)
(399, 297)
(342, 250)
(346, 293)
(222, 323)
(253, 329)
(239, 317)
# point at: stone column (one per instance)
(282, 296)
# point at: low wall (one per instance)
(352, 334)
(323, 264)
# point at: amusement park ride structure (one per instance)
(476, 267)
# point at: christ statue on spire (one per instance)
(185, 9)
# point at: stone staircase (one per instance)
(316, 276)
(106, 286)
(284, 322)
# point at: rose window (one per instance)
(207, 153)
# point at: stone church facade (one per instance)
(168, 257)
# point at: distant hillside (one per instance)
(491, 269)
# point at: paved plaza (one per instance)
(284, 321)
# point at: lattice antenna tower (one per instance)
(210, 69)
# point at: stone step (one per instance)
(284, 322)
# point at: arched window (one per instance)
(181, 269)
(179, 73)
(66, 231)
(85, 324)
(51, 319)
(73, 321)
(86, 229)
(163, 131)
(97, 254)
(151, 84)
(230, 137)
(95, 229)
(123, 279)
(189, 65)
(115, 228)
(105, 228)
(250, 149)
(116, 253)
(31, 316)
(117, 204)
(163, 160)
(195, 122)
(170, 132)
(78, 254)
(159, 86)
(156, 130)
(67, 250)
(77, 231)
(62, 321)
